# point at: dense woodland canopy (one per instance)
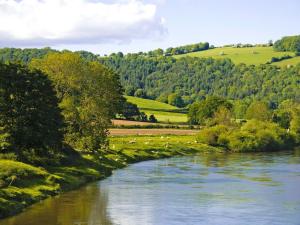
(190, 78)
(289, 43)
(195, 78)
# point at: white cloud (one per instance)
(48, 22)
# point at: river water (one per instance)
(208, 189)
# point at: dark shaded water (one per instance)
(207, 189)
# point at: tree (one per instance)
(175, 99)
(163, 98)
(223, 116)
(129, 91)
(203, 112)
(259, 110)
(140, 93)
(152, 119)
(30, 120)
(240, 108)
(90, 95)
(130, 111)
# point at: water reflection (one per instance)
(86, 206)
(214, 188)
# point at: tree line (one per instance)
(56, 103)
(289, 43)
(193, 79)
(263, 129)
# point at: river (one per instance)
(208, 189)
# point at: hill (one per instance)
(163, 112)
(249, 56)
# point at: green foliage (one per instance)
(203, 112)
(257, 135)
(140, 93)
(289, 43)
(30, 119)
(163, 98)
(259, 110)
(202, 77)
(210, 135)
(130, 111)
(152, 119)
(187, 49)
(240, 108)
(4, 139)
(254, 135)
(223, 116)
(89, 93)
(23, 55)
(175, 99)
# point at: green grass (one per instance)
(167, 117)
(163, 112)
(150, 104)
(157, 146)
(254, 55)
(285, 63)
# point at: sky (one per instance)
(106, 26)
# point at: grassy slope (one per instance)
(254, 55)
(150, 104)
(22, 185)
(162, 111)
(292, 61)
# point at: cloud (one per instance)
(50, 22)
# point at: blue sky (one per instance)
(105, 26)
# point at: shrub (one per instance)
(152, 119)
(211, 135)
(257, 135)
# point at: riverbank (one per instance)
(22, 185)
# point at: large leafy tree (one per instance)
(203, 112)
(259, 110)
(89, 93)
(30, 120)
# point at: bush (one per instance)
(254, 135)
(211, 135)
(152, 119)
(257, 135)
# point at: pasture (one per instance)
(249, 56)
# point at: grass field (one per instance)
(254, 55)
(149, 104)
(292, 61)
(163, 112)
(164, 131)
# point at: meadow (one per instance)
(284, 63)
(163, 112)
(249, 56)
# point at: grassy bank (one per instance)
(22, 185)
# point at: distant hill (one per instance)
(252, 55)
(193, 72)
